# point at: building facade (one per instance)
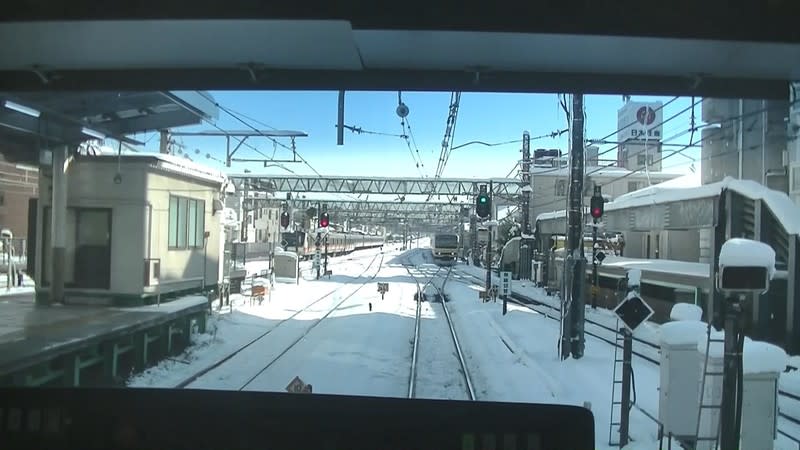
(551, 185)
(639, 136)
(18, 184)
(748, 140)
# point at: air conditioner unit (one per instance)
(152, 271)
(794, 178)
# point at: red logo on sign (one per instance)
(645, 115)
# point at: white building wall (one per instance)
(183, 268)
(90, 185)
(551, 186)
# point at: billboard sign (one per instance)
(640, 120)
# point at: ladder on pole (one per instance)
(712, 405)
(616, 404)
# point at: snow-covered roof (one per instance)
(700, 270)
(171, 163)
(778, 202)
(787, 212)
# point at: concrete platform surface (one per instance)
(30, 333)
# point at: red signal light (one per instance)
(597, 207)
(324, 221)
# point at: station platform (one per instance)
(71, 345)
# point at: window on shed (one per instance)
(186, 223)
(173, 222)
(192, 222)
(183, 205)
(201, 224)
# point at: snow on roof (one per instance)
(761, 357)
(778, 202)
(683, 333)
(173, 163)
(689, 180)
(686, 311)
(787, 212)
(658, 265)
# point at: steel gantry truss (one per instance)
(380, 213)
(355, 208)
(503, 187)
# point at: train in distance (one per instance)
(304, 243)
(445, 247)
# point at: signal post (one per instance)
(596, 209)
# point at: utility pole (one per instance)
(596, 212)
(489, 243)
(572, 339)
(340, 123)
(526, 244)
(317, 242)
(325, 266)
(730, 416)
(163, 145)
(473, 237)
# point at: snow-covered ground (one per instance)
(28, 286)
(647, 333)
(340, 346)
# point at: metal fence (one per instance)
(19, 249)
(238, 253)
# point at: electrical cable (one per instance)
(684, 148)
(294, 151)
(732, 120)
(739, 382)
(359, 130)
(605, 152)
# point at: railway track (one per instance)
(191, 379)
(532, 304)
(420, 296)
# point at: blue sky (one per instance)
(486, 117)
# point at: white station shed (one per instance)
(139, 228)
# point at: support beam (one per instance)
(503, 187)
(58, 226)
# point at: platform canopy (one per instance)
(29, 120)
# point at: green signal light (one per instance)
(483, 199)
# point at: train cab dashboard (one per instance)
(196, 419)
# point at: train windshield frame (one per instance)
(446, 241)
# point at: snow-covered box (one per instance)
(680, 376)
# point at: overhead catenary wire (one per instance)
(738, 118)
(722, 129)
(449, 132)
(604, 152)
(359, 130)
(294, 151)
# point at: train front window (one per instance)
(446, 241)
(331, 242)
